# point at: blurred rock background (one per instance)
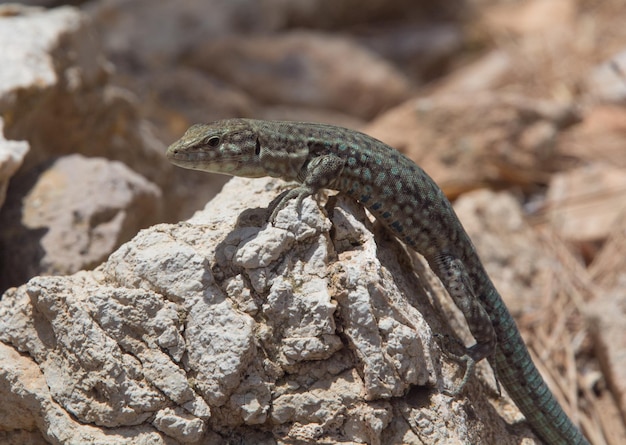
(523, 97)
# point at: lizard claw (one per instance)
(470, 363)
(280, 202)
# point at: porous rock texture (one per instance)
(317, 329)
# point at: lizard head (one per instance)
(230, 147)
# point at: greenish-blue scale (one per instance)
(367, 174)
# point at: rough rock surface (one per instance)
(225, 328)
(70, 216)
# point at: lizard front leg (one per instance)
(317, 173)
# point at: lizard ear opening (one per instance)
(257, 149)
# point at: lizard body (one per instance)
(408, 203)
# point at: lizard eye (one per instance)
(213, 141)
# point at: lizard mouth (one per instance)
(191, 158)
(234, 166)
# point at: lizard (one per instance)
(404, 198)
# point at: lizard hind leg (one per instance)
(447, 345)
(457, 282)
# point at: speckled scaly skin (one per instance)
(409, 203)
